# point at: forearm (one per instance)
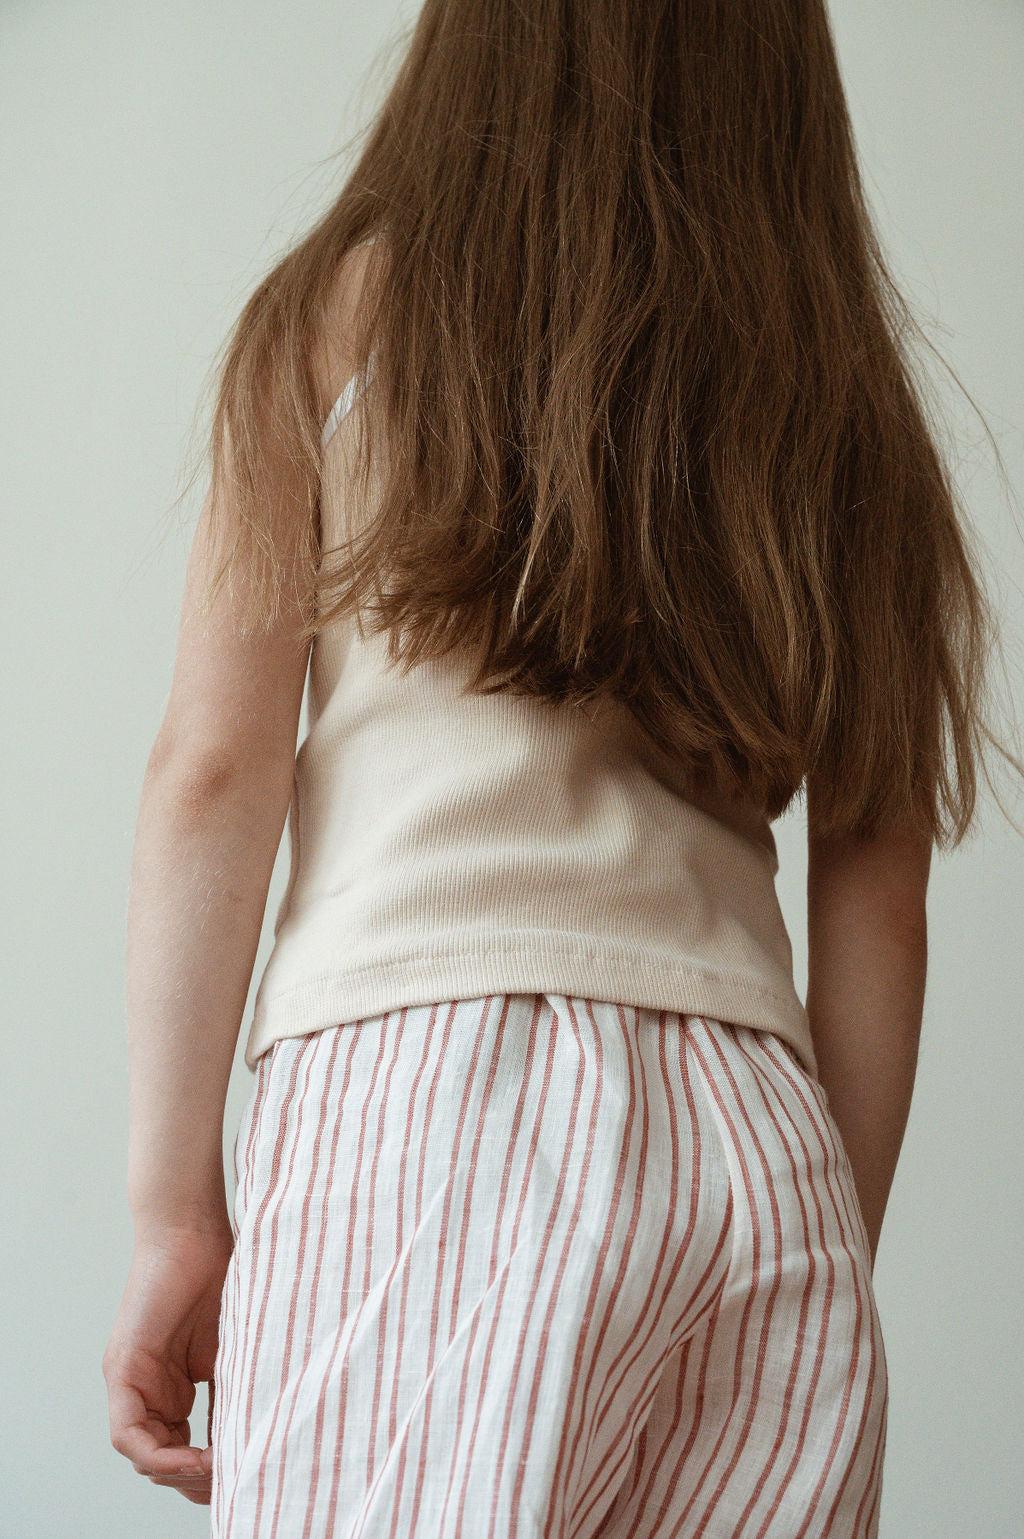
(865, 997)
(202, 860)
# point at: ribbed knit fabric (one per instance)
(447, 845)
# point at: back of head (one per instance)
(642, 420)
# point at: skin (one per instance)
(867, 961)
(215, 797)
(214, 801)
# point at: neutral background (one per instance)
(156, 158)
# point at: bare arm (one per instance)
(867, 944)
(215, 797)
(214, 800)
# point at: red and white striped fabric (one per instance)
(533, 1265)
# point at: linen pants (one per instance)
(531, 1265)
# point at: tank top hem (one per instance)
(350, 995)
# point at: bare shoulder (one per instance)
(333, 352)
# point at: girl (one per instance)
(576, 452)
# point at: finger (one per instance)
(143, 1438)
(198, 1491)
(182, 1482)
(175, 1463)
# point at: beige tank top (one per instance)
(446, 845)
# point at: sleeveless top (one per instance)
(446, 845)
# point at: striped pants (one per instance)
(533, 1265)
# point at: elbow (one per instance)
(192, 783)
(194, 773)
(883, 881)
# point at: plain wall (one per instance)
(155, 160)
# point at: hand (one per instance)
(163, 1344)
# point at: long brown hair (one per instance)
(651, 421)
